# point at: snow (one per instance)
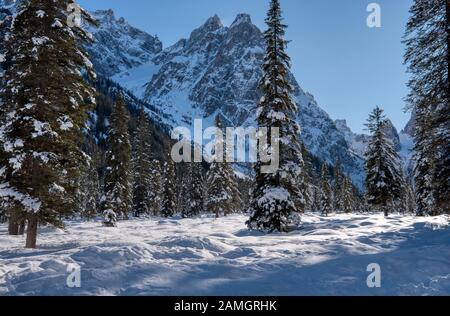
(38, 41)
(137, 78)
(65, 123)
(40, 13)
(57, 24)
(207, 256)
(29, 204)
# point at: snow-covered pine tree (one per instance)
(384, 180)
(424, 164)
(273, 203)
(222, 194)
(427, 40)
(409, 199)
(89, 190)
(196, 194)
(326, 195)
(348, 196)
(316, 197)
(156, 190)
(118, 189)
(168, 204)
(142, 166)
(338, 188)
(45, 105)
(183, 186)
(304, 201)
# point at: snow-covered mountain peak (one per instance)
(241, 18)
(342, 126)
(7, 4)
(119, 46)
(105, 16)
(217, 71)
(211, 25)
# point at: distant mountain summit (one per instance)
(215, 71)
(119, 46)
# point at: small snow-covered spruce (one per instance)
(196, 194)
(428, 57)
(222, 196)
(326, 195)
(48, 100)
(168, 204)
(384, 180)
(118, 189)
(410, 199)
(110, 218)
(142, 166)
(273, 203)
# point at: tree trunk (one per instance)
(13, 225)
(32, 232)
(386, 211)
(22, 226)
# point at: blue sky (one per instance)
(349, 67)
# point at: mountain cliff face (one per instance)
(216, 71)
(7, 10)
(403, 142)
(119, 46)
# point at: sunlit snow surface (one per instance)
(208, 256)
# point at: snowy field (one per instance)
(206, 256)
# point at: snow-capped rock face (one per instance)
(403, 142)
(409, 129)
(118, 46)
(217, 71)
(357, 142)
(7, 9)
(391, 132)
(8, 4)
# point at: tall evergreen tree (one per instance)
(169, 203)
(118, 188)
(348, 196)
(222, 197)
(338, 190)
(89, 189)
(142, 166)
(384, 180)
(409, 199)
(274, 207)
(427, 54)
(196, 194)
(326, 195)
(45, 101)
(156, 190)
(183, 187)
